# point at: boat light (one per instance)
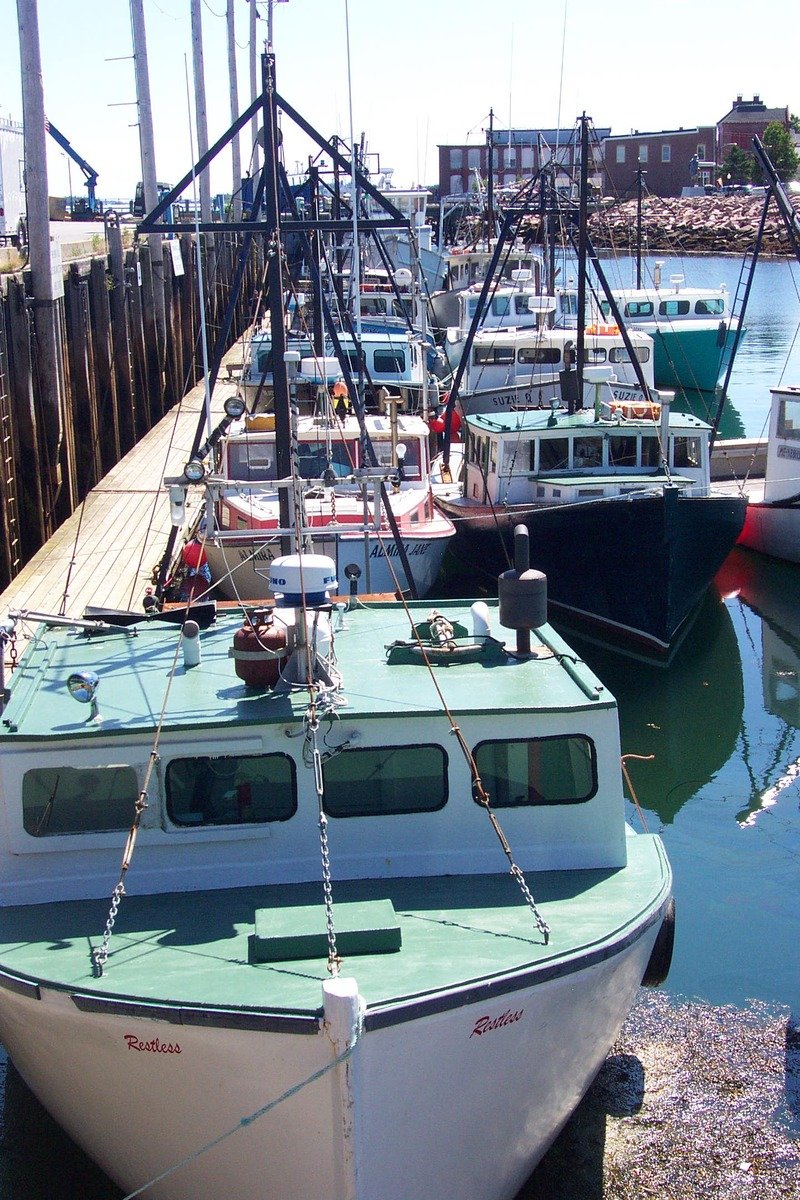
(235, 407)
(194, 471)
(82, 686)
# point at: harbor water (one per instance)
(715, 745)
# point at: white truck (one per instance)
(12, 184)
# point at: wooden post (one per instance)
(120, 337)
(110, 445)
(236, 157)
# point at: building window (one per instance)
(701, 150)
(456, 159)
(474, 158)
(643, 154)
(78, 799)
(456, 185)
(552, 770)
(387, 779)
(511, 156)
(527, 158)
(666, 154)
(620, 154)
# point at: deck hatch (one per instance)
(286, 934)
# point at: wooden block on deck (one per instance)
(285, 934)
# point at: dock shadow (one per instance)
(573, 1166)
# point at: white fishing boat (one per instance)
(509, 369)
(285, 890)
(377, 519)
(772, 522)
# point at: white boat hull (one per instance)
(457, 1103)
(772, 530)
(240, 569)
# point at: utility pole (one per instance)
(149, 177)
(236, 157)
(44, 286)
(201, 118)
(254, 87)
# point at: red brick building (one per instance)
(747, 119)
(666, 157)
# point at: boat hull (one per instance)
(632, 570)
(240, 569)
(772, 529)
(692, 358)
(140, 1095)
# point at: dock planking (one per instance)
(107, 550)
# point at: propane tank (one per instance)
(260, 649)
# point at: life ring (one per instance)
(632, 411)
(660, 959)
(603, 330)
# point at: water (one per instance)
(723, 788)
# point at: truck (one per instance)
(13, 226)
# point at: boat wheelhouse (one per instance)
(619, 506)
(512, 369)
(772, 523)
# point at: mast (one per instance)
(639, 185)
(490, 180)
(582, 239)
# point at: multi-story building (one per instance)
(517, 154)
(672, 159)
(747, 119)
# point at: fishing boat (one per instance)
(378, 520)
(694, 333)
(273, 888)
(772, 523)
(506, 369)
(618, 501)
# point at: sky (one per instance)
(413, 73)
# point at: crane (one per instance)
(91, 206)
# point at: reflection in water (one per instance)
(687, 715)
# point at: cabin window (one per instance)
(355, 361)
(314, 458)
(686, 452)
(384, 781)
(515, 456)
(482, 355)
(523, 304)
(389, 362)
(554, 454)
(554, 770)
(595, 354)
(789, 420)
(712, 307)
(501, 306)
(231, 789)
(651, 452)
(411, 462)
(588, 452)
(264, 362)
(639, 308)
(251, 460)
(674, 308)
(539, 354)
(59, 800)
(374, 306)
(619, 354)
(622, 451)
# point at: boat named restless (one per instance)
(255, 911)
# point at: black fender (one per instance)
(660, 960)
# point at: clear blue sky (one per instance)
(423, 72)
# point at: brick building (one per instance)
(747, 119)
(667, 157)
(517, 155)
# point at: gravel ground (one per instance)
(693, 1101)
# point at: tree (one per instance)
(738, 166)
(780, 148)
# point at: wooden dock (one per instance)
(106, 552)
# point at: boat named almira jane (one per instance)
(377, 521)
(618, 502)
(283, 884)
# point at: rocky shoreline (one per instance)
(696, 225)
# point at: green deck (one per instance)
(457, 933)
(134, 672)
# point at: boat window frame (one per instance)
(79, 804)
(401, 778)
(243, 822)
(540, 802)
